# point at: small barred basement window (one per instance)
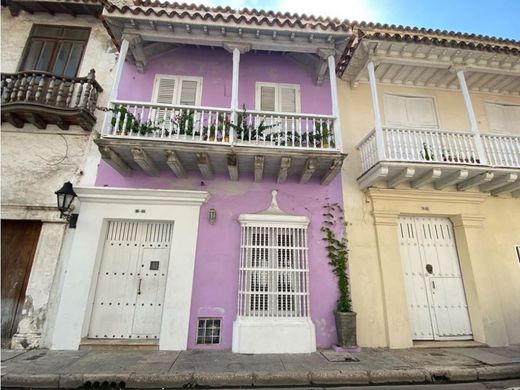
(274, 272)
(208, 331)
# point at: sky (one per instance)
(499, 18)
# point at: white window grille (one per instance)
(274, 271)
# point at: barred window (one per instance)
(274, 278)
(208, 331)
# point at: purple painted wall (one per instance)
(215, 67)
(215, 287)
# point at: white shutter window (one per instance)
(267, 98)
(395, 110)
(497, 117)
(421, 112)
(503, 118)
(165, 93)
(189, 91)
(410, 111)
(288, 99)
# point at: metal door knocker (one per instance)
(429, 268)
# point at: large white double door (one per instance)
(436, 301)
(131, 283)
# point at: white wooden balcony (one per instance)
(153, 137)
(441, 158)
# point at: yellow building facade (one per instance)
(424, 149)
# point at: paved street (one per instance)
(447, 368)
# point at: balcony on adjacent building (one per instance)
(441, 158)
(43, 98)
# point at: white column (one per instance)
(234, 89)
(334, 97)
(471, 116)
(378, 128)
(115, 84)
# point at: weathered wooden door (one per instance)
(433, 281)
(132, 279)
(19, 241)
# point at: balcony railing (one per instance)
(439, 147)
(220, 125)
(44, 98)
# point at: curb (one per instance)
(265, 378)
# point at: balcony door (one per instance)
(410, 112)
(503, 118)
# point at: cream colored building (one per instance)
(431, 124)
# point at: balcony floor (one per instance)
(464, 177)
(187, 159)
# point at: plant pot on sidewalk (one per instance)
(346, 329)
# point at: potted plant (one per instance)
(335, 235)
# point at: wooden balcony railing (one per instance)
(44, 98)
(219, 125)
(439, 147)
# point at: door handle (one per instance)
(139, 287)
(433, 284)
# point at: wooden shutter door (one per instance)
(189, 93)
(164, 93)
(496, 117)
(421, 112)
(395, 111)
(19, 241)
(267, 98)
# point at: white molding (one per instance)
(143, 196)
(101, 204)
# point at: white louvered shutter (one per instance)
(288, 99)
(514, 118)
(189, 91)
(267, 98)
(497, 117)
(165, 93)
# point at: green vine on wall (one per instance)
(335, 235)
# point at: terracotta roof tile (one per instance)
(228, 14)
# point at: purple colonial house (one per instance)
(220, 147)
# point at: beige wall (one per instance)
(486, 228)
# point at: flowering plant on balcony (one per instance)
(248, 131)
(124, 122)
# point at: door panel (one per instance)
(132, 279)
(19, 242)
(433, 281)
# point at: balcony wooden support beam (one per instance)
(285, 164)
(475, 181)
(377, 174)
(499, 182)
(428, 177)
(512, 187)
(232, 164)
(36, 120)
(205, 166)
(115, 161)
(145, 162)
(451, 179)
(64, 125)
(332, 172)
(175, 164)
(13, 120)
(308, 169)
(404, 175)
(259, 168)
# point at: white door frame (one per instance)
(99, 204)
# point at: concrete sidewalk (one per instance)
(158, 369)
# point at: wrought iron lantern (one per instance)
(65, 196)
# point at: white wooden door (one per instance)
(131, 281)
(433, 281)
